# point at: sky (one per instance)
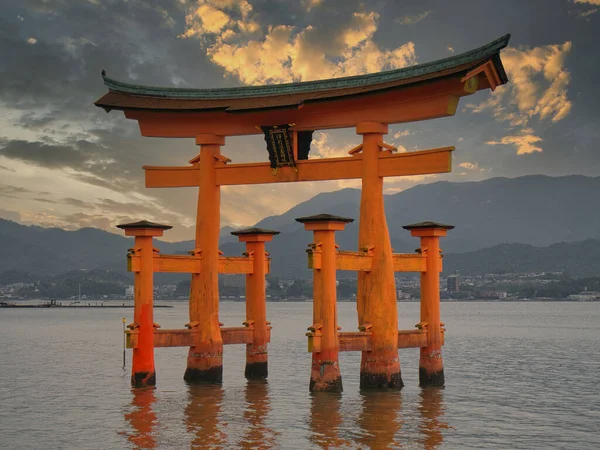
(65, 163)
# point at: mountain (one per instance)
(579, 259)
(534, 210)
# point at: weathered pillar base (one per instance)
(380, 370)
(431, 368)
(325, 377)
(143, 379)
(205, 367)
(257, 366)
(256, 370)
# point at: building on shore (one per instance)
(453, 282)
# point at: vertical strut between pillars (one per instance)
(431, 364)
(325, 372)
(143, 372)
(256, 306)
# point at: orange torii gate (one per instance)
(367, 103)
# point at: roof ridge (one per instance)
(485, 51)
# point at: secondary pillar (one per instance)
(431, 364)
(205, 358)
(256, 301)
(143, 372)
(376, 294)
(325, 372)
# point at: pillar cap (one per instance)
(324, 218)
(144, 224)
(254, 230)
(427, 225)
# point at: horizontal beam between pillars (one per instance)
(192, 264)
(185, 337)
(422, 162)
(361, 341)
(361, 261)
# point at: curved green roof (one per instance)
(487, 51)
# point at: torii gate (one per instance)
(368, 103)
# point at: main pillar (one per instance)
(256, 301)
(431, 364)
(143, 372)
(205, 358)
(325, 373)
(376, 294)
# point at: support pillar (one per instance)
(205, 358)
(143, 372)
(376, 294)
(325, 373)
(431, 364)
(256, 301)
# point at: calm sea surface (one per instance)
(518, 375)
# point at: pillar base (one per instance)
(205, 367)
(431, 368)
(256, 370)
(431, 379)
(380, 370)
(214, 375)
(320, 385)
(325, 376)
(143, 379)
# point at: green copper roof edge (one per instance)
(488, 50)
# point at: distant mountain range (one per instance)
(515, 217)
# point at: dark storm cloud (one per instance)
(34, 121)
(74, 202)
(44, 155)
(74, 41)
(13, 191)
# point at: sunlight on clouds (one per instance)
(538, 86)
(310, 4)
(411, 20)
(400, 134)
(322, 147)
(284, 53)
(469, 165)
(65, 194)
(585, 14)
(589, 2)
(524, 143)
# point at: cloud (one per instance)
(12, 191)
(411, 20)
(538, 82)
(586, 14)
(42, 154)
(286, 53)
(469, 165)
(451, 49)
(400, 134)
(322, 147)
(525, 142)
(589, 2)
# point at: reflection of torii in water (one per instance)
(367, 103)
